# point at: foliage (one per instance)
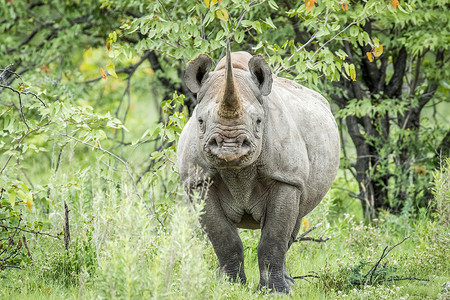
(441, 193)
(92, 105)
(67, 265)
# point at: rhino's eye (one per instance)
(258, 121)
(200, 121)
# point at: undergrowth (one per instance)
(119, 251)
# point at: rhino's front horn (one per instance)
(230, 105)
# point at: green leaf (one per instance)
(12, 197)
(239, 36)
(111, 69)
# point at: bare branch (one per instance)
(28, 249)
(29, 231)
(126, 165)
(303, 236)
(20, 142)
(339, 33)
(383, 255)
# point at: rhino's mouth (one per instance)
(228, 149)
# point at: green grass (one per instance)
(119, 251)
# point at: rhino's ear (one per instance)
(261, 74)
(196, 71)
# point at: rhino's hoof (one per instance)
(277, 287)
(289, 280)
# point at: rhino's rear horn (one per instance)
(261, 74)
(197, 70)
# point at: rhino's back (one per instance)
(302, 127)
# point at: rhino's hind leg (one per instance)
(225, 239)
(279, 223)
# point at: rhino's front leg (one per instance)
(276, 233)
(225, 239)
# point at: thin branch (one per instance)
(29, 231)
(28, 249)
(27, 39)
(383, 255)
(165, 10)
(22, 92)
(10, 266)
(306, 276)
(120, 160)
(303, 236)
(339, 33)
(20, 142)
(128, 70)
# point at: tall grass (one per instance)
(120, 251)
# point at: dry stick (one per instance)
(29, 231)
(28, 249)
(383, 255)
(22, 92)
(66, 226)
(303, 237)
(305, 276)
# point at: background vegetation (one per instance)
(92, 104)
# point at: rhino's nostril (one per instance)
(246, 143)
(214, 142)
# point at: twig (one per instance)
(319, 240)
(406, 278)
(10, 266)
(165, 10)
(303, 236)
(29, 231)
(20, 142)
(128, 70)
(22, 92)
(337, 34)
(306, 276)
(28, 249)
(120, 160)
(66, 226)
(383, 255)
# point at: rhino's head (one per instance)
(230, 116)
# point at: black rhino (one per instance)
(267, 151)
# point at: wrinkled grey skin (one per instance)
(267, 166)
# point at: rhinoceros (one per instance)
(267, 151)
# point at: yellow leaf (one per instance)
(209, 3)
(29, 200)
(309, 5)
(222, 14)
(306, 223)
(369, 56)
(111, 69)
(395, 3)
(352, 72)
(103, 73)
(378, 50)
